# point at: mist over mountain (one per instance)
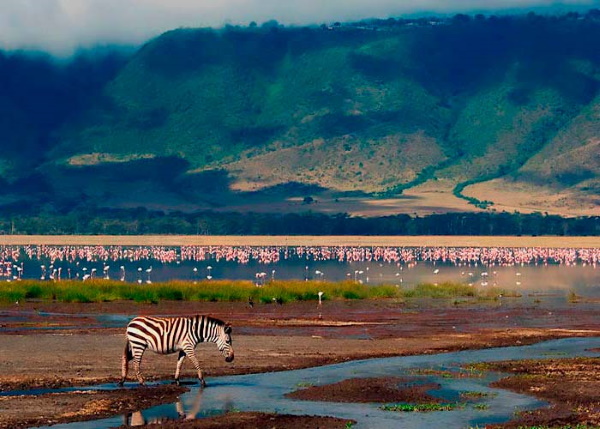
(61, 27)
(378, 116)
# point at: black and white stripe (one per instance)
(165, 335)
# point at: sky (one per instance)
(60, 27)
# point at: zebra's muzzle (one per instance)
(229, 357)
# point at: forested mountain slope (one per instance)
(410, 115)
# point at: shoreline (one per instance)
(302, 240)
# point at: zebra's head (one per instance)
(224, 342)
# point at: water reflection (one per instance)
(137, 418)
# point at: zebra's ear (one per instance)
(228, 328)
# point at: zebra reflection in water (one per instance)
(137, 418)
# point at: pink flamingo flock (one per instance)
(459, 256)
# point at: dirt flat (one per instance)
(256, 421)
(301, 240)
(381, 390)
(525, 197)
(45, 345)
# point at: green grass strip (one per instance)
(220, 291)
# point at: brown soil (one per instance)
(570, 385)
(256, 421)
(381, 390)
(267, 337)
(35, 410)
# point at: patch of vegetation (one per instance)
(458, 192)
(572, 297)
(442, 290)
(423, 407)
(476, 395)
(223, 291)
(100, 290)
(568, 426)
(481, 406)
(466, 372)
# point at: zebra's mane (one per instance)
(213, 319)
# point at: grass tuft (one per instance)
(423, 407)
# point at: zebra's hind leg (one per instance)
(127, 356)
(180, 359)
(137, 363)
(192, 356)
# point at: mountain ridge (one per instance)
(201, 118)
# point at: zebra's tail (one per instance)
(127, 356)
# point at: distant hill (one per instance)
(375, 117)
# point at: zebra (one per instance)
(166, 335)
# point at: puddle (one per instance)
(265, 392)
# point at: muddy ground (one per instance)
(380, 390)
(57, 344)
(572, 386)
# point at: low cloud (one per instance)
(62, 26)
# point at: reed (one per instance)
(280, 291)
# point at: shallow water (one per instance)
(581, 277)
(265, 392)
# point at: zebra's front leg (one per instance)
(180, 359)
(192, 356)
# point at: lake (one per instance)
(528, 269)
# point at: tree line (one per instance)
(141, 221)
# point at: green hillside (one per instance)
(201, 117)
